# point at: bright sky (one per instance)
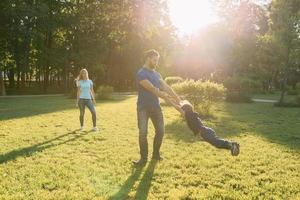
(191, 15)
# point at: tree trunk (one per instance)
(11, 78)
(25, 68)
(47, 64)
(17, 59)
(285, 77)
(283, 88)
(273, 80)
(46, 78)
(2, 84)
(64, 78)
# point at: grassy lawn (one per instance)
(44, 156)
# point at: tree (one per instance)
(228, 47)
(284, 27)
(45, 43)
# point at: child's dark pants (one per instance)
(210, 136)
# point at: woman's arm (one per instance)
(93, 95)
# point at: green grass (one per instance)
(276, 96)
(43, 156)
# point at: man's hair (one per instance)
(151, 53)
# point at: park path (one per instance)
(265, 100)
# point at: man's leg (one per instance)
(157, 119)
(143, 117)
(92, 110)
(210, 136)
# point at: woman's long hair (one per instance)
(80, 76)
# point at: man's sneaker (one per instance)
(140, 162)
(81, 128)
(235, 149)
(95, 129)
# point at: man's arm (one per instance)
(165, 87)
(149, 86)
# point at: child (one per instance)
(194, 123)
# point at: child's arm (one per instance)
(173, 103)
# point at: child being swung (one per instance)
(195, 124)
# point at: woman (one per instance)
(85, 96)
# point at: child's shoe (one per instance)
(235, 149)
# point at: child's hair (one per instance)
(186, 106)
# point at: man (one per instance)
(151, 86)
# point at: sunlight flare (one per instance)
(190, 15)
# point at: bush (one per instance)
(173, 79)
(292, 92)
(298, 99)
(200, 94)
(298, 86)
(240, 89)
(104, 92)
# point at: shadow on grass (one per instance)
(28, 151)
(277, 125)
(128, 184)
(179, 130)
(18, 107)
(143, 187)
(145, 184)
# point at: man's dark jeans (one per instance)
(156, 116)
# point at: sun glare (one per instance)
(190, 15)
